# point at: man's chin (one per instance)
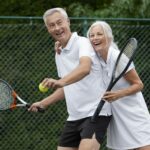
(59, 38)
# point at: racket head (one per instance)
(124, 60)
(7, 96)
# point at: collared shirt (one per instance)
(83, 96)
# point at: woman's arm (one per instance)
(136, 85)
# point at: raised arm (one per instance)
(77, 74)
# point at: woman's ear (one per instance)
(68, 20)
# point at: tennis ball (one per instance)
(42, 88)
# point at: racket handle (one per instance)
(41, 110)
(97, 111)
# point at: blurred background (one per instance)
(27, 57)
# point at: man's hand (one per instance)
(53, 83)
(36, 106)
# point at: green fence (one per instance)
(27, 57)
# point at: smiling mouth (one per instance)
(60, 34)
(97, 44)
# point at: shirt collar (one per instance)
(73, 37)
(103, 63)
(109, 54)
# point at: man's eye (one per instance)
(50, 25)
(99, 34)
(59, 23)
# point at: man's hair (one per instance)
(107, 31)
(53, 10)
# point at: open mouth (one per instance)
(97, 44)
(59, 34)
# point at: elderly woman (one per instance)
(130, 124)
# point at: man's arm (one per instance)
(53, 98)
(77, 74)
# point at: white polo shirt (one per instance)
(83, 96)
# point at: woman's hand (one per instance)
(57, 47)
(111, 96)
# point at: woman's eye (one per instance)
(91, 36)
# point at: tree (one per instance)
(79, 8)
(130, 9)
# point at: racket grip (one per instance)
(41, 110)
(97, 111)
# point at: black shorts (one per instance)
(74, 131)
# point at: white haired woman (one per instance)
(130, 124)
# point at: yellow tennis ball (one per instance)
(42, 88)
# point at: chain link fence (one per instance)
(27, 57)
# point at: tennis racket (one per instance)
(122, 63)
(8, 98)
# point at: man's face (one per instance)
(59, 27)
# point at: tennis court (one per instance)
(27, 56)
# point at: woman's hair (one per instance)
(53, 10)
(107, 32)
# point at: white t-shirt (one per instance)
(83, 96)
(130, 125)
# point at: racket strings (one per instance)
(125, 57)
(130, 48)
(5, 97)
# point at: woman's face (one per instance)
(98, 39)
